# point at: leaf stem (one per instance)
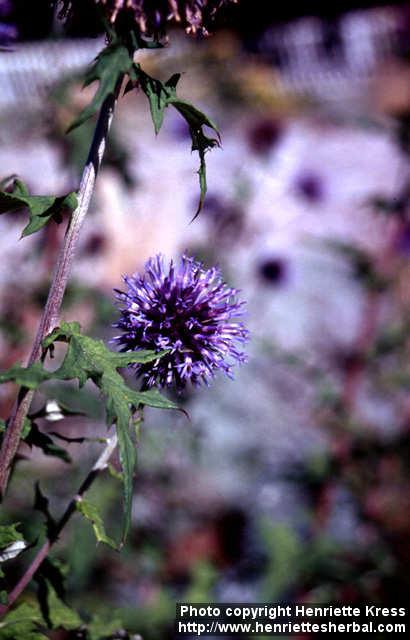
(55, 297)
(41, 555)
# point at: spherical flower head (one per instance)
(190, 311)
(152, 17)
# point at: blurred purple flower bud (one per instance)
(272, 271)
(310, 187)
(263, 135)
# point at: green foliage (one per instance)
(204, 576)
(89, 359)
(99, 628)
(91, 513)
(36, 438)
(363, 266)
(27, 621)
(41, 208)
(162, 95)
(9, 535)
(28, 377)
(12, 543)
(41, 504)
(292, 560)
(108, 69)
(33, 437)
(56, 613)
(23, 623)
(283, 550)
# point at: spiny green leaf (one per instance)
(90, 512)
(41, 504)
(114, 473)
(41, 208)
(109, 68)
(161, 95)
(12, 542)
(55, 572)
(10, 539)
(78, 440)
(89, 359)
(36, 438)
(9, 534)
(32, 436)
(57, 614)
(99, 629)
(22, 623)
(28, 377)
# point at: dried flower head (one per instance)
(151, 17)
(190, 311)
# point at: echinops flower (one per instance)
(187, 309)
(151, 17)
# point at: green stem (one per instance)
(51, 311)
(42, 554)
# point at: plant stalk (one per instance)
(51, 311)
(41, 555)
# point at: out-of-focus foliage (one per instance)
(85, 359)
(41, 208)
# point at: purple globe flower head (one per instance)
(187, 309)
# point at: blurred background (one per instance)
(289, 483)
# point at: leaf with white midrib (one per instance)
(85, 359)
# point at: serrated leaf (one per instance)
(89, 359)
(90, 512)
(33, 437)
(28, 377)
(36, 438)
(22, 623)
(57, 614)
(114, 473)
(55, 573)
(161, 95)
(12, 542)
(108, 69)
(9, 534)
(99, 629)
(78, 440)
(41, 208)
(51, 596)
(41, 504)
